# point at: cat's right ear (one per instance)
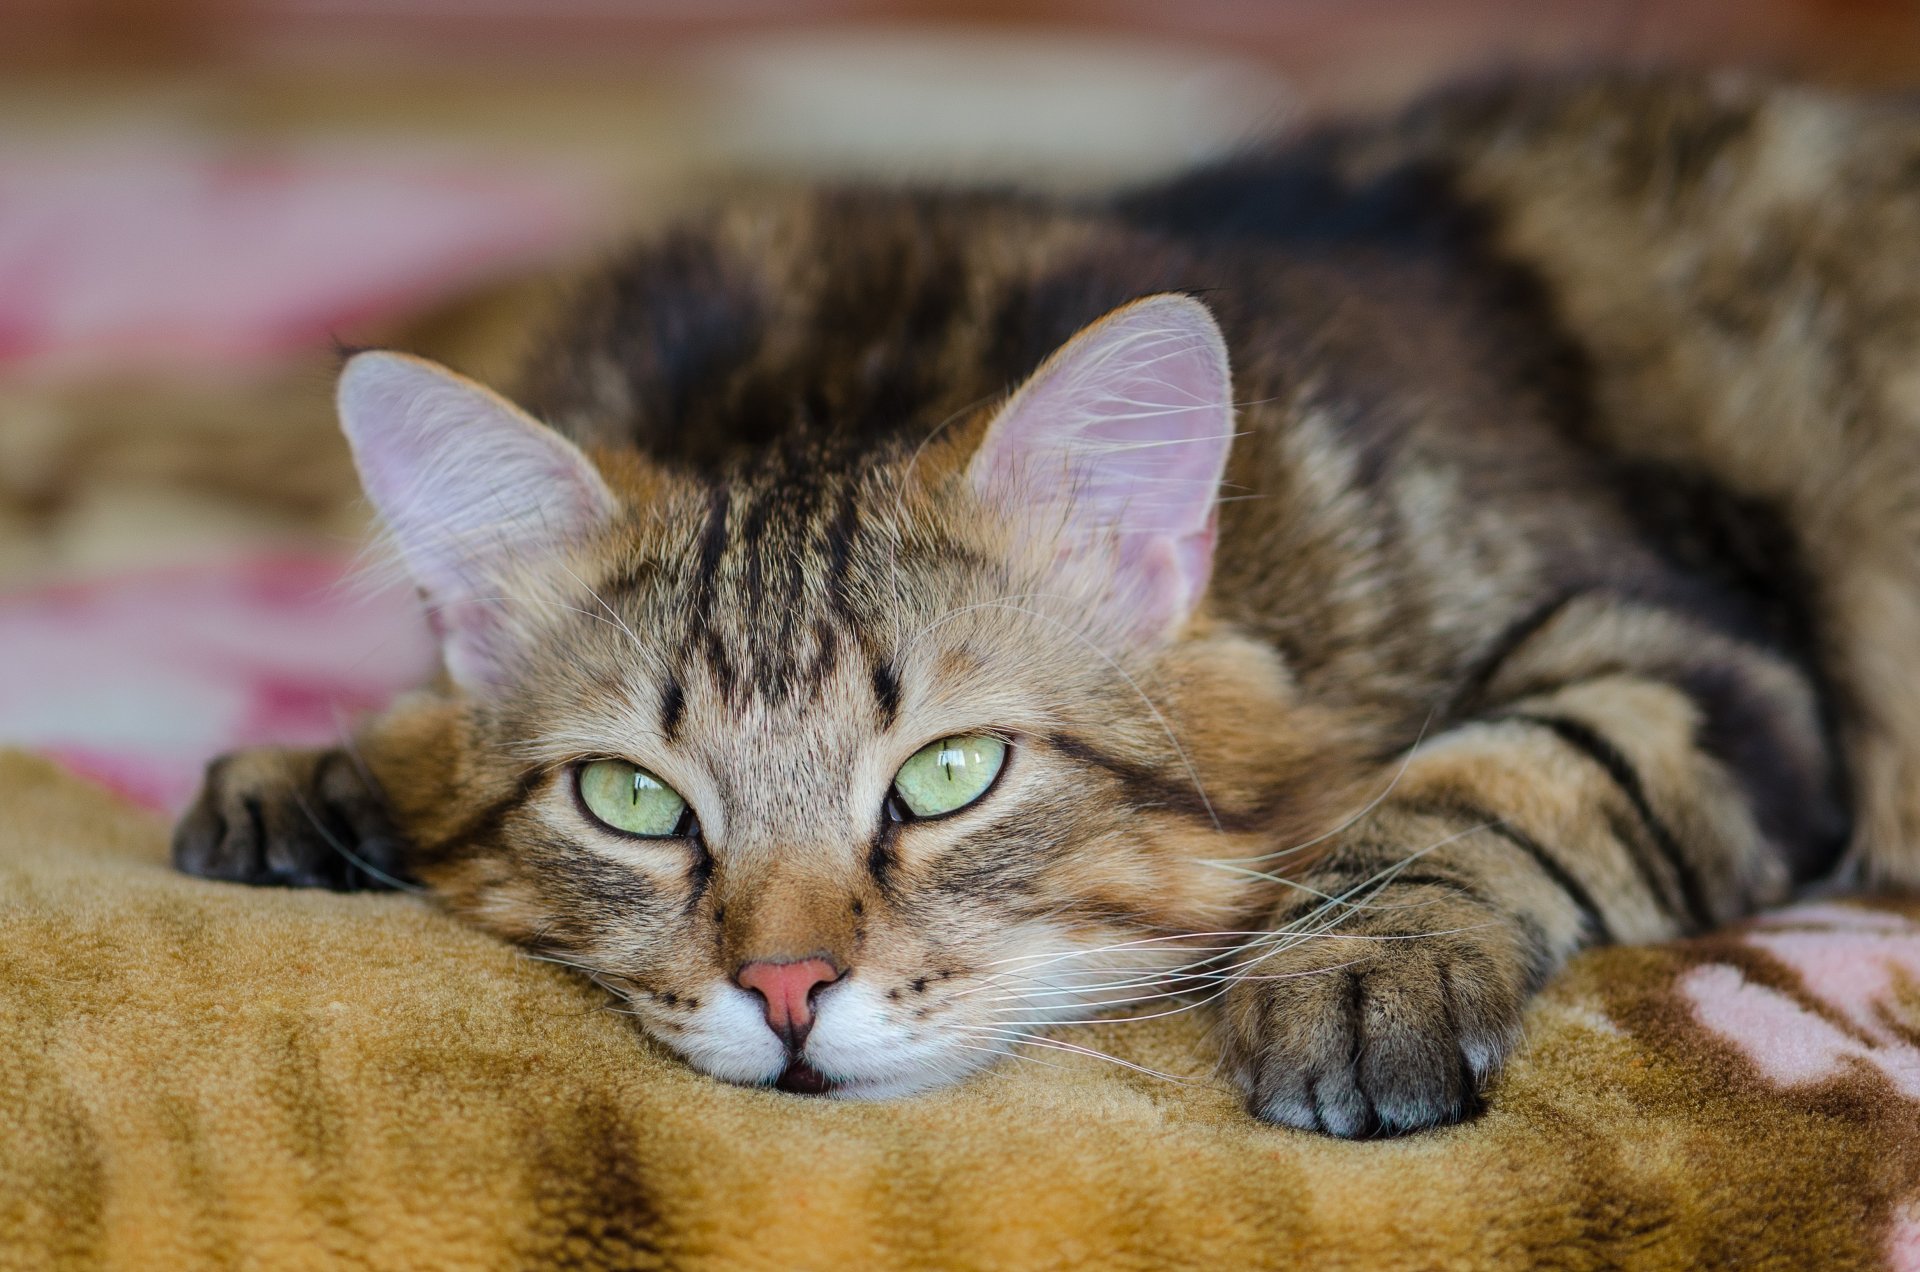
(472, 490)
(1113, 451)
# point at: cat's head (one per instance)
(850, 771)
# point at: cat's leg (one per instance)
(291, 818)
(1621, 773)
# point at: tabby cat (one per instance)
(1327, 590)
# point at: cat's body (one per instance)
(1564, 576)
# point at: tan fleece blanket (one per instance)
(196, 1075)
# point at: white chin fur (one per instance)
(728, 1038)
(855, 1041)
(871, 1055)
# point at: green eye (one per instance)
(630, 799)
(949, 774)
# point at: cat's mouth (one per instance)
(801, 1078)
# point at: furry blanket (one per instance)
(196, 1074)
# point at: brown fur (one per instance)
(1738, 260)
(1574, 465)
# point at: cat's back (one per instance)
(1731, 265)
(830, 323)
(1739, 262)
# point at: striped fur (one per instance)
(1563, 571)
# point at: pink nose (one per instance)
(788, 990)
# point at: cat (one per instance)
(1327, 589)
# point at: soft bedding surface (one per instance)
(197, 1074)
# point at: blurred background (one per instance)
(199, 197)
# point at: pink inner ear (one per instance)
(471, 489)
(1126, 429)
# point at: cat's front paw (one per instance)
(295, 819)
(1389, 1021)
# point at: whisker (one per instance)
(1202, 980)
(900, 505)
(1177, 982)
(1255, 937)
(373, 871)
(1139, 943)
(557, 961)
(602, 602)
(1077, 1049)
(1372, 804)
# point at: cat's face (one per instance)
(851, 775)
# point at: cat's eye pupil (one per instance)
(945, 776)
(627, 798)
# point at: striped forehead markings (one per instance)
(886, 692)
(769, 547)
(713, 545)
(673, 707)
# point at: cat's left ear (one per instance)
(476, 495)
(1119, 442)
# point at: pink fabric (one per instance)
(1852, 962)
(173, 256)
(1853, 972)
(1903, 1244)
(138, 681)
(183, 258)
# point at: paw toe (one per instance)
(1383, 1048)
(287, 819)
